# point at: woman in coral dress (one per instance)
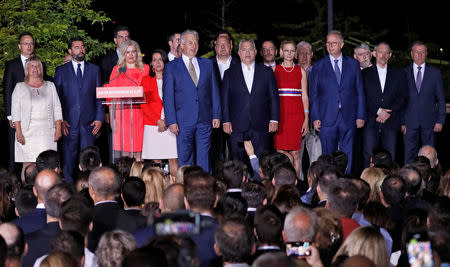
(292, 89)
(128, 140)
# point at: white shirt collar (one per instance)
(75, 66)
(40, 206)
(105, 201)
(273, 64)
(24, 60)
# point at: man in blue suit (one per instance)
(425, 113)
(191, 102)
(250, 102)
(386, 99)
(337, 98)
(76, 83)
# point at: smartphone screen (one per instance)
(420, 253)
(296, 249)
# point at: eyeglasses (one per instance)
(333, 43)
(27, 44)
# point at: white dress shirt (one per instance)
(332, 59)
(194, 62)
(273, 65)
(248, 73)
(382, 72)
(171, 56)
(223, 66)
(75, 66)
(415, 70)
(159, 83)
(24, 60)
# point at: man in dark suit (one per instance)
(386, 99)
(39, 241)
(37, 218)
(221, 62)
(104, 184)
(191, 102)
(133, 195)
(15, 73)
(425, 113)
(250, 102)
(337, 98)
(121, 34)
(76, 83)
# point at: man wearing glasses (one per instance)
(15, 73)
(337, 98)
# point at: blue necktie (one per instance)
(79, 75)
(337, 71)
(419, 79)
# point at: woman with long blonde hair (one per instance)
(156, 182)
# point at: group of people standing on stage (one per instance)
(198, 111)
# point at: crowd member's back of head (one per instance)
(444, 185)
(374, 177)
(413, 224)
(300, 225)
(173, 198)
(430, 177)
(330, 235)
(340, 161)
(233, 241)
(268, 223)
(48, 159)
(392, 190)
(440, 242)
(191, 170)
(232, 174)
(76, 215)
(44, 181)
(90, 158)
(366, 241)
(276, 259)
(284, 174)
(55, 198)
(343, 197)
(439, 214)
(313, 173)
(268, 162)
(377, 215)
(155, 183)
(15, 242)
(171, 247)
(327, 176)
(133, 192)
(70, 242)
(254, 193)
(287, 198)
(363, 192)
(113, 247)
(382, 159)
(30, 174)
(200, 192)
(104, 184)
(230, 205)
(25, 202)
(59, 259)
(123, 167)
(148, 256)
(82, 180)
(136, 169)
(413, 181)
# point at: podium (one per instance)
(122, 101)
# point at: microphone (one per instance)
(120, 70)
(124, 69)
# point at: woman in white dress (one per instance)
(36, 113)
(158, 142)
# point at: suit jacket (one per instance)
(186, 104)
(143, 235)
(205, 242)
(131, 220)
(252, 110)
(325, 93)
(104, 219)
(394, 96)
(75, 101)
(39, 243)
(32, 221)
(234, 60)
(107, 64)
(427, 107)
(14, 73)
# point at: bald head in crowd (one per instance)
(430, 153)
(172, 199)
(103, 184)
(15, 242)
(300, 225)
(45, 180)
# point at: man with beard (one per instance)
(269, 52)
(76, 83)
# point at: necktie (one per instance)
(337, 71)
(79, 75)
(419, 79)
(192, 72)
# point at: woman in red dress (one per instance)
(292, 89)
(127, 143)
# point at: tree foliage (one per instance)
(52, 23)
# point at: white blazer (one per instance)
(21, 104)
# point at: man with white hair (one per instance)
(363, 55)
(430, 153)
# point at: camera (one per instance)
(181, 223)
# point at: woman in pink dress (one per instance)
(292, 89)
(127, 132)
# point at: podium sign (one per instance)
(120, 92)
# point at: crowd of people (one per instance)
(232, 132)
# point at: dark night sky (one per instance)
(152, 21)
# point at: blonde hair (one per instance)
(27, 75)
(374, 177)
(179, 178)
(365, 241)
(136, 168)
(155, 183)
(122, 63)
(59, 259)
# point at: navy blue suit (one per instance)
(424, 110)
(80, 108)
(39, 243)
(193, 108)
(32, 221)
(393, 97)
(337, 105)
(249, 112)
